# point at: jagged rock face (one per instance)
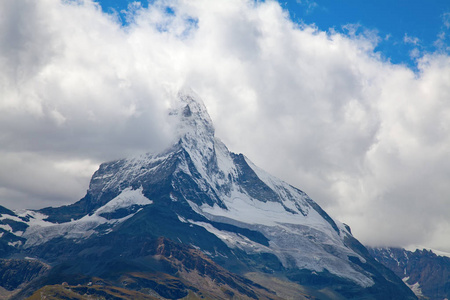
(200, 194)
(16, 272)
(426, 273)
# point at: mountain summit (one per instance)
(204, 218)
(191, 117)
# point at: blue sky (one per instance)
(406, 30)
(401, 25)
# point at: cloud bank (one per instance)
(366, 139)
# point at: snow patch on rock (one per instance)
(127, 198)
(41, 231)
(414, 287)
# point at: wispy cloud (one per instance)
(411, 40)
(310, 5)
(441, 42)
(446, 19)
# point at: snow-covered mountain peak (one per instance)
(195, 134)
(190, 116)
(200, 194)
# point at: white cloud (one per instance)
(414, 53)
(411, 40)
(366, 139)
(309, 4)
(446, 19)
(441, 42)
(34, 180)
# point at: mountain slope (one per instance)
(199, 195)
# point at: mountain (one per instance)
(195, 221)
(427, 274)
